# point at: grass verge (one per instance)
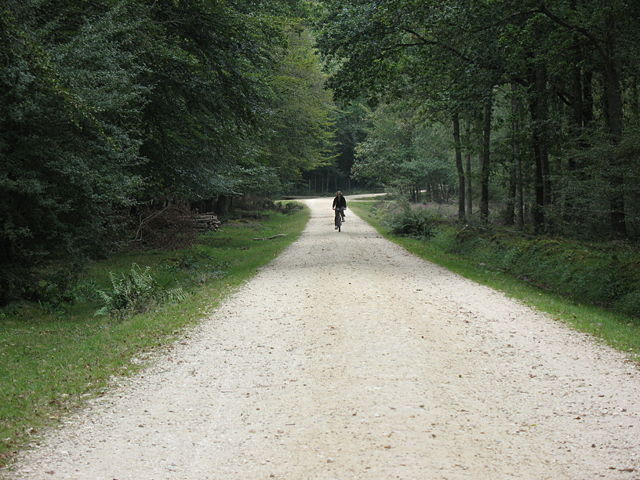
(618, 330)
(54, 358)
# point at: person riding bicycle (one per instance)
(339, 203)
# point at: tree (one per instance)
(402, 152)
(297, 135)
(458, 58)
(109, 105)
(68, 135)
(400, 49)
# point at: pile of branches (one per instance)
(173, 226)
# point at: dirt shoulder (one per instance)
(348, 358)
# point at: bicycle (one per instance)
(339, 218)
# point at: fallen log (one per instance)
(279, 235)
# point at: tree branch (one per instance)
(503, 21)
(425, 41)
(574, 28)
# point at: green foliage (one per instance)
(298, 130)
(629, 303)
(107, 106)
(135, 291)
(210, 63)
(352, 123)
(597, 274)
(54, 286)
(413, 222)
(402, 151)
(547, 94)
(69, 140)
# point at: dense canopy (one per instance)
(527, 112)
(109, 105)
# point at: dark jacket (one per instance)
(339, 202)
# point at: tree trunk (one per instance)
(570, 208)
(469, 188)
(461, 182)
(635, 105)
(519, 194)
(539, 116)
(485, 159)
(576, 95)
(509, 211)
(468, 174)
(587, 97)
(616, 177)
(614, 121)
(223, 204)
(436, 193)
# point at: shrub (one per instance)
(629, 304)
(85, 291)
(135, 291)
(413, 223)
(53, 285)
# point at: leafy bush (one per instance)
(85, 291)
(629, 304)
(51, 286)
(601, 274)
(135, 291)
(413, 223)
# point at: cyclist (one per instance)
(339, 204)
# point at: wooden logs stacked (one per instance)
(206, 222)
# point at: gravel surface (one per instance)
(349, 358)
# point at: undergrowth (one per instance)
(135, 291)
(412, 222)
(602, 274)
(53, 356)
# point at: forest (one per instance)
(525, 114)
(110, 110)
(540, 99)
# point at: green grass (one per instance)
(53, 359)
(620, 331)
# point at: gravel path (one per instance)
(348, 358)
